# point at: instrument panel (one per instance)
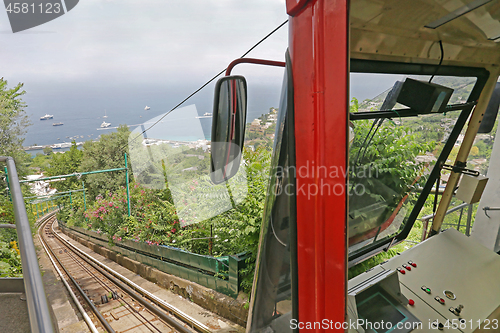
(447, 283)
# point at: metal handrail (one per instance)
(486, 209)
(38, 308)
(426, 219)
(454, 209)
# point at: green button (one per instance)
(427, 290)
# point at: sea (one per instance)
(82, 118)
(76, 128)
(82, 107)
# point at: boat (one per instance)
(147, 108)
(105, 124)
(34, 147)
(105, 116)
(205, 115)
(57, 124)
(61, 145)
(47, 116)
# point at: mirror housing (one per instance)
(228, 127)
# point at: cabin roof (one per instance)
(401, 30)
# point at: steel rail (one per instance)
(136, 291)
(96, 311)
(178, 313)
(103, 284)
(86, 317)
(107, 288)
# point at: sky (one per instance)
(121, 55)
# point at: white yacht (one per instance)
(47, 116)
(105, 124)
(61, 145)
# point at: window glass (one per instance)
(390, 159)
(272, 294)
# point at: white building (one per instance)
(40, 187)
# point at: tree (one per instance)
(65, 164)
(474, 152)
(107, 153)
(13, 124)
(47, 150)
(382, 172)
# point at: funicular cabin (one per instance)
(314, 232)
(319, 223)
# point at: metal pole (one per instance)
(84, 201)
(38, 309)
(424, 229)
(7, 181)
(465, 147)
(70, 201)
(210, 242)
(126, 179)
(460, 218)
(72, 175)
(469, 220)
(51, 196)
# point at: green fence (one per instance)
(220, 274)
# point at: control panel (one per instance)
(448, 283)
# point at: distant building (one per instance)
(40, 187)
(427, 158)
(255, 123)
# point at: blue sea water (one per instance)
(82, 113)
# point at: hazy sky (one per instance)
(121, 55)
(162, 41)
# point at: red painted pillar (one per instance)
(319, 51)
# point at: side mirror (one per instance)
(228, 127)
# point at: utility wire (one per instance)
(440, 60)
(205, 84)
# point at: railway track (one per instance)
(108, 301)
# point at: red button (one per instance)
(407, 267)
(411, 302)
(402, 271)
(413, 264)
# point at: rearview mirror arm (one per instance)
(253, 61)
